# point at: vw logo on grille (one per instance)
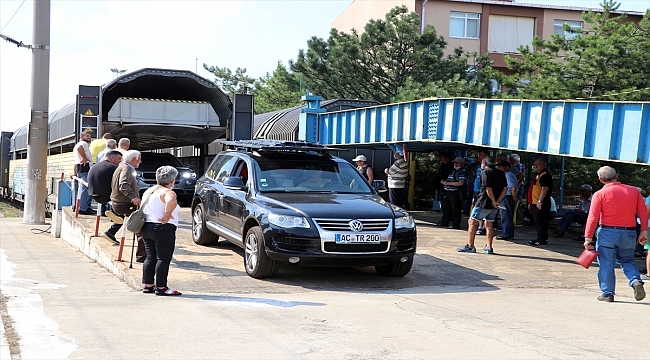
(356, 225)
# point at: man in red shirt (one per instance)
(615, 207)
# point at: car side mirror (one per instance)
(235, 183)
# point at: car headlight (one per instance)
(287, 221)
(405, 222)
(187, 175)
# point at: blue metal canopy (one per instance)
(618, 131)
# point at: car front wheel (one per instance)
(200, 234)
(398, 269)
(257, 263)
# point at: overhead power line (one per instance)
(12, 16)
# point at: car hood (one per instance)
(347, 206)
(145, 168)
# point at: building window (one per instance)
(558, 28)
(507, 33)
(464, 25)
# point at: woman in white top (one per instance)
(159, 232)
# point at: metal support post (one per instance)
(37, 141)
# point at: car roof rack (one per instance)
(277, 145)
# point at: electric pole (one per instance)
(37, 141)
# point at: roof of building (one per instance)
(545, 6)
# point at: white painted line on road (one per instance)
(39, 336)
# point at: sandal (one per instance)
(148, 289)
(165, 291)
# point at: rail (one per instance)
(98, 215)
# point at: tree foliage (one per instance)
(608, 60)
(231, 83)
(278, 91)
(390, 60)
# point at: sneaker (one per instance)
(536, 243)
(467, 249)
(606, 298)
(639, 291)
(480, 232)
(645, 277)
(110, 237)
(87, 212)
(114, 217)
(558, 234)
(501, 237)
(487, 250)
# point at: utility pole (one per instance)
(37, 142)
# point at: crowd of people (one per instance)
(108, 169)
(615, 218)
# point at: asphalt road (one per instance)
(523, 302)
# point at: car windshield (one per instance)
(155, 161)
(310, 176)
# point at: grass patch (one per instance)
(9, 211)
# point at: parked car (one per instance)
(292, 203)
(184, 183)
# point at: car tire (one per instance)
(256, 262)
(200, 233)
(398, 269)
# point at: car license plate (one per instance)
(357, 238)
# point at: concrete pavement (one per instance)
(523, 302)
(220, 268)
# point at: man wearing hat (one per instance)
(508, 202)
(454, 191)
(364, 169)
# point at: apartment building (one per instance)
(498, 27)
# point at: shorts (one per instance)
(479, 214)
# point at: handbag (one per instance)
(136, 220)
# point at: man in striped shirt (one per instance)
(615, 207)
(397, 175)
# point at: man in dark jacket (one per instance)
(99, 181)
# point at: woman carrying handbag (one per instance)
(159, 232)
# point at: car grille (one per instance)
(344, 225)
(152, 176)
(356, 248)
(293, 244)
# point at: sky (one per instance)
(88, 38)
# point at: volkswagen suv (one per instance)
(292, 203)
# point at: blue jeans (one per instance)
(614, 245)
(569, 217)
(507, 225)
(85, 200)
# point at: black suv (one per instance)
(146, 175)
(293, 203)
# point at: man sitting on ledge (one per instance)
(578, 215)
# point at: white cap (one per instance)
(359, 158)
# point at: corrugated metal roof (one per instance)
(283, 124)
